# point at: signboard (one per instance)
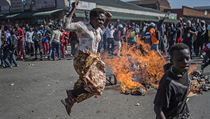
(85, 5)
(172, 16)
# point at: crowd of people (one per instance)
(34, 42)
(50, 41)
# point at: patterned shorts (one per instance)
(92, 77)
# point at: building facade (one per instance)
(4, 6)
(16, 6)
(187, 12)
(154, 4)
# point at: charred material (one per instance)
(199, 82)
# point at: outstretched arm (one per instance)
(68, 17)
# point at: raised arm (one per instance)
(68, 17)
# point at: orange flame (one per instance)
(137, 65)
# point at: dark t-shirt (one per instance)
(172, 94)
(187, 36)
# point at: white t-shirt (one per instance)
(56, 36)
(29, 36)
(89, 37)
(110, 33)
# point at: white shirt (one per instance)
(29, 36)
(56, 35)
(110, 33)
(89, 37)
(7, 34)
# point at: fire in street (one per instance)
(137, 68)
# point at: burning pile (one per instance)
(138, 68)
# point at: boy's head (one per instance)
(180, 57)
(97, 17)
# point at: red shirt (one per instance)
(20, 34)
(64, 37)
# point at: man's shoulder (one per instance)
(167, 78)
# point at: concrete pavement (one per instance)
(34, 89)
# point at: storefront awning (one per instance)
(47, 13)
(12, 15)
(122, 16)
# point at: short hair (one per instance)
(96, 11)
(178, 46)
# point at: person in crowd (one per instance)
(64, 41)
(55, 42)
(161, 31)
(45, 44)
(20, 42)
(87, 62)
(6, 52)
(73, 40)
(188, 33)
(12, 48)
(29, 42)
(171, 98)
(201, 37)
(110, 38)
(37, 39)
(172, 35)
(154, 38)
(131, 36)
(179, 33)
(118, 40)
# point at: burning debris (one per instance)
(138, 68)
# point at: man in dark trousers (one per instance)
(171, 97)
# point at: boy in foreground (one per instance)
(171, 97)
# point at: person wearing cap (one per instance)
(154, 37)
(87, 61)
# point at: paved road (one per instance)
(34, 89)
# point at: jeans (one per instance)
(55, 47)
(37, 45)
(110, 42)
(5, 58)
(12, 58)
